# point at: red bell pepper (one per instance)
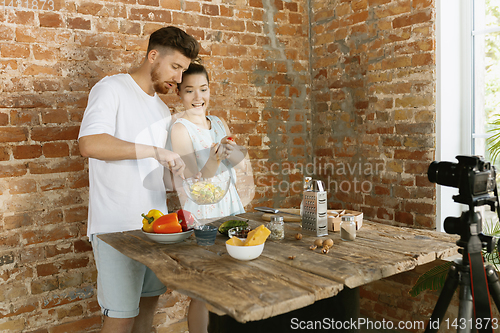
(186, 219)
(167, 224)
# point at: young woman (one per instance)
(204, 143)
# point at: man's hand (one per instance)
(170, 160)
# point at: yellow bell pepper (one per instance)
(147, 221)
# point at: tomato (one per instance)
(230, 138)
(167, 224)
(186, 219)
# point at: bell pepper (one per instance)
(147, 221)
(167, 224)
(186, 219)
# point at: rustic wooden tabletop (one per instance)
(274, 283)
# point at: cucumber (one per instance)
(224, 227)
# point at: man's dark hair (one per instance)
(175, 39)
(194, 68)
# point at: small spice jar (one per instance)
(347, 228)
(277, 228)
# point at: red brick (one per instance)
(291, 6)
(74, 263)
(67, 165)
(24, 117)
(55, 133)
(20, 186)
(170, 4)
(424, 59)
(222, 23)
(420, 208)
(55, 250)
(78, 214)
(12, 134)
(151, 3)
(4, 119)
(13, 170)
(192, 6)
(89, 8)
(228, 11)
(40, 286)
(420, 4)
(14, 50)
(50, 19)
(49, 234)
(27, 152)
(57, 116)
(255, 3)
(416, 167)
(411, 155)
(22, 17)
(416, 18)
(81, 246)
(78, 23)
(47, 269)
(78, 180)
(4, 153)
(212, 10)
(56, 149)
(7, 33)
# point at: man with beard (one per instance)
(124, 132)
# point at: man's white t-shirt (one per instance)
(120, 191)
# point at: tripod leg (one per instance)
(494, 285)
(466, 306)
(444, 299)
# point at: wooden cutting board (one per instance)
(286, 217)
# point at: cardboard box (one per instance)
(335, 216)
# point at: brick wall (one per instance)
(257, 54)
(373, 102)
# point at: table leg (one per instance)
(339, 313)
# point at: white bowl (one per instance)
(168, 238)
(244, 252)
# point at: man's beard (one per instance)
(158, 86)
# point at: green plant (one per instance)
(434, 278)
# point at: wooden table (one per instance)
(275, 284)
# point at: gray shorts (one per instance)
(122, 281)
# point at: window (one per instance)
(486, 72)
(468, 85)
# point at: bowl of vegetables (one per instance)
(207, 191)
(167, 229)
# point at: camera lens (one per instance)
(444, 173)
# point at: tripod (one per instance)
(459, 274)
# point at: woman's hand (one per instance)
(228, 146)
(216, 152)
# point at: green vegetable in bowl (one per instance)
(224, 227)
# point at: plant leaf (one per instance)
(433, 279)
